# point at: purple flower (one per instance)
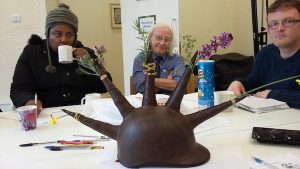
(224, 40)
(214, 45)
(206, 51)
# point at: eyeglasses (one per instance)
(160, 38)
(286, 23)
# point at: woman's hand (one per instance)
(79, 52)
(38, 104)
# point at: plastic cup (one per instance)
(28, 117)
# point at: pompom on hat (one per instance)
(61, 15)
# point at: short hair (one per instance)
(172, 43)
(284, 4)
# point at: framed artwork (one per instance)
(147, 22)
(115, 13)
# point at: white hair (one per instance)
(172, 43)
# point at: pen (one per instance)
(101, 138)
(59, 148)
(260, 161)
(32, 144)
(74, 142)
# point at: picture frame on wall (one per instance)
(115, 12)
(147, 22)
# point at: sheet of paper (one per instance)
(260, 105)
(105, 110)
(44, 116)
(10, 116)
(188, 106)
(285, 161)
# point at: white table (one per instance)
(227, 136)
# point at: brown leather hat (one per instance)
(156, 137)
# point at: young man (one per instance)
(171, 65)
(39, 72)
(279, 60)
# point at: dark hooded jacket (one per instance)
(65, 87)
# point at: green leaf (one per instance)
(143, 36)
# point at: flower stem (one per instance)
(269, 84)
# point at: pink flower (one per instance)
(99, 51)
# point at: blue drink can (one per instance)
(206, 83)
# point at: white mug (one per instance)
(65, 54)
(90, 97)
(223, 96)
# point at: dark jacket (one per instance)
(65, 87)
(269, 66)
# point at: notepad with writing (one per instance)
(260, 105)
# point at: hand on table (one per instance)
(262, 94)
(236, 87)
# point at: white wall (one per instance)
(164, 10)
(95, 27)
(205, 18)
(14, 36)
(243, 42)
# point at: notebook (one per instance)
(260, 105)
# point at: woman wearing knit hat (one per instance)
(39, 72)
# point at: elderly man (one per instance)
(38, 71)
(278, 60)
(170, 66)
